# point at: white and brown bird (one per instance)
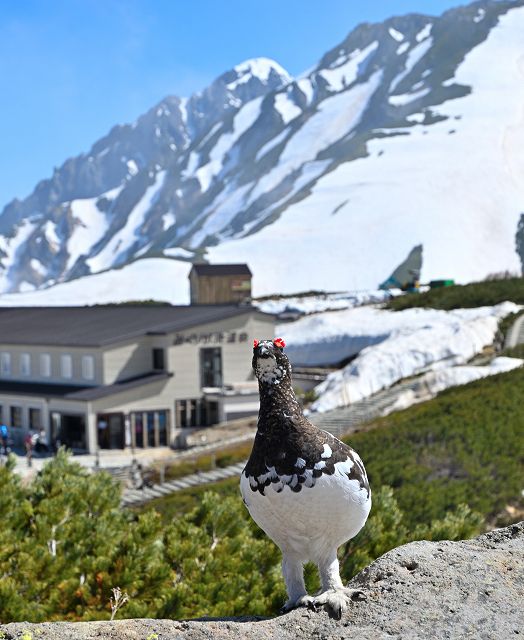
(305, 488)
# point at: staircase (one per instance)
(345, 420)
(139, 496)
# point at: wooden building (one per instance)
(220, 284)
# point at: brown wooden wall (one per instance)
(220, 289)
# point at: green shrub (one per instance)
(476, 294)
(464, 447)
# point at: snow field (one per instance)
(437, 186)
(390, 345)
(433, 382)
(159, 279)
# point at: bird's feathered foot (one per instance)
(302, 601)
(336, 601)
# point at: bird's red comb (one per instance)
(278, 342)
(255, 344)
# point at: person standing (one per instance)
(41, 445)
(28, 442)
(4, 438)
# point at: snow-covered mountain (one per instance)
(408, 132)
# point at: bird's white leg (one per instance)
(334, 596)
(293, 572)
(330, 573)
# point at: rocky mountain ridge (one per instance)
(205, 177)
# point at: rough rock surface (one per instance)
(472, 589)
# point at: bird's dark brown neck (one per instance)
(279, 407)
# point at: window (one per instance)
(45, 365)
(5, 364)
(88, 367)
(25, 364)
(35, 419)
(66, 366)
(16, 416)
(211, 367)
(159, 360)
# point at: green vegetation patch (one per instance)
(514, 352)
(476, 294)
(438, 470)
(180, 503)
(465, 446)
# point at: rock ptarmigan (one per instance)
(305, 488)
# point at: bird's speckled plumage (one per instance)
(305, 488)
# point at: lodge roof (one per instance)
(203, 269)
(99, 326)
(77, 392)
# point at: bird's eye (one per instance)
(255, 344)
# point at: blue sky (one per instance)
(71, 69)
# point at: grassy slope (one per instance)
(476, 294)
(465, 446)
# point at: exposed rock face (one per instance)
(519, 238)
(470, 589)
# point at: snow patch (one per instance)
(433, 382)
(259, 68)
(305, 85)
(192, 164)
(182, 106)
(426, 338)
(168, 220)
(12, 246)
(336, 117)
(178, 252)
(125, 237)
(219, 214)
(347, 73)
(210, 134)
(317, 304)
(481, 14)
(406, 98)
(37, 266)
(132, 167)
(162, 279)
(89, 226)
(416, 117)
(51, 235)
(424, 33)
(396, 35)
(242, 121)
(414, 56)
(285, 106)
(271, 144)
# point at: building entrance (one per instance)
(69, 430)
(111, 430)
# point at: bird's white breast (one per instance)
(311, 522)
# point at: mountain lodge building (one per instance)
(112, 377)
